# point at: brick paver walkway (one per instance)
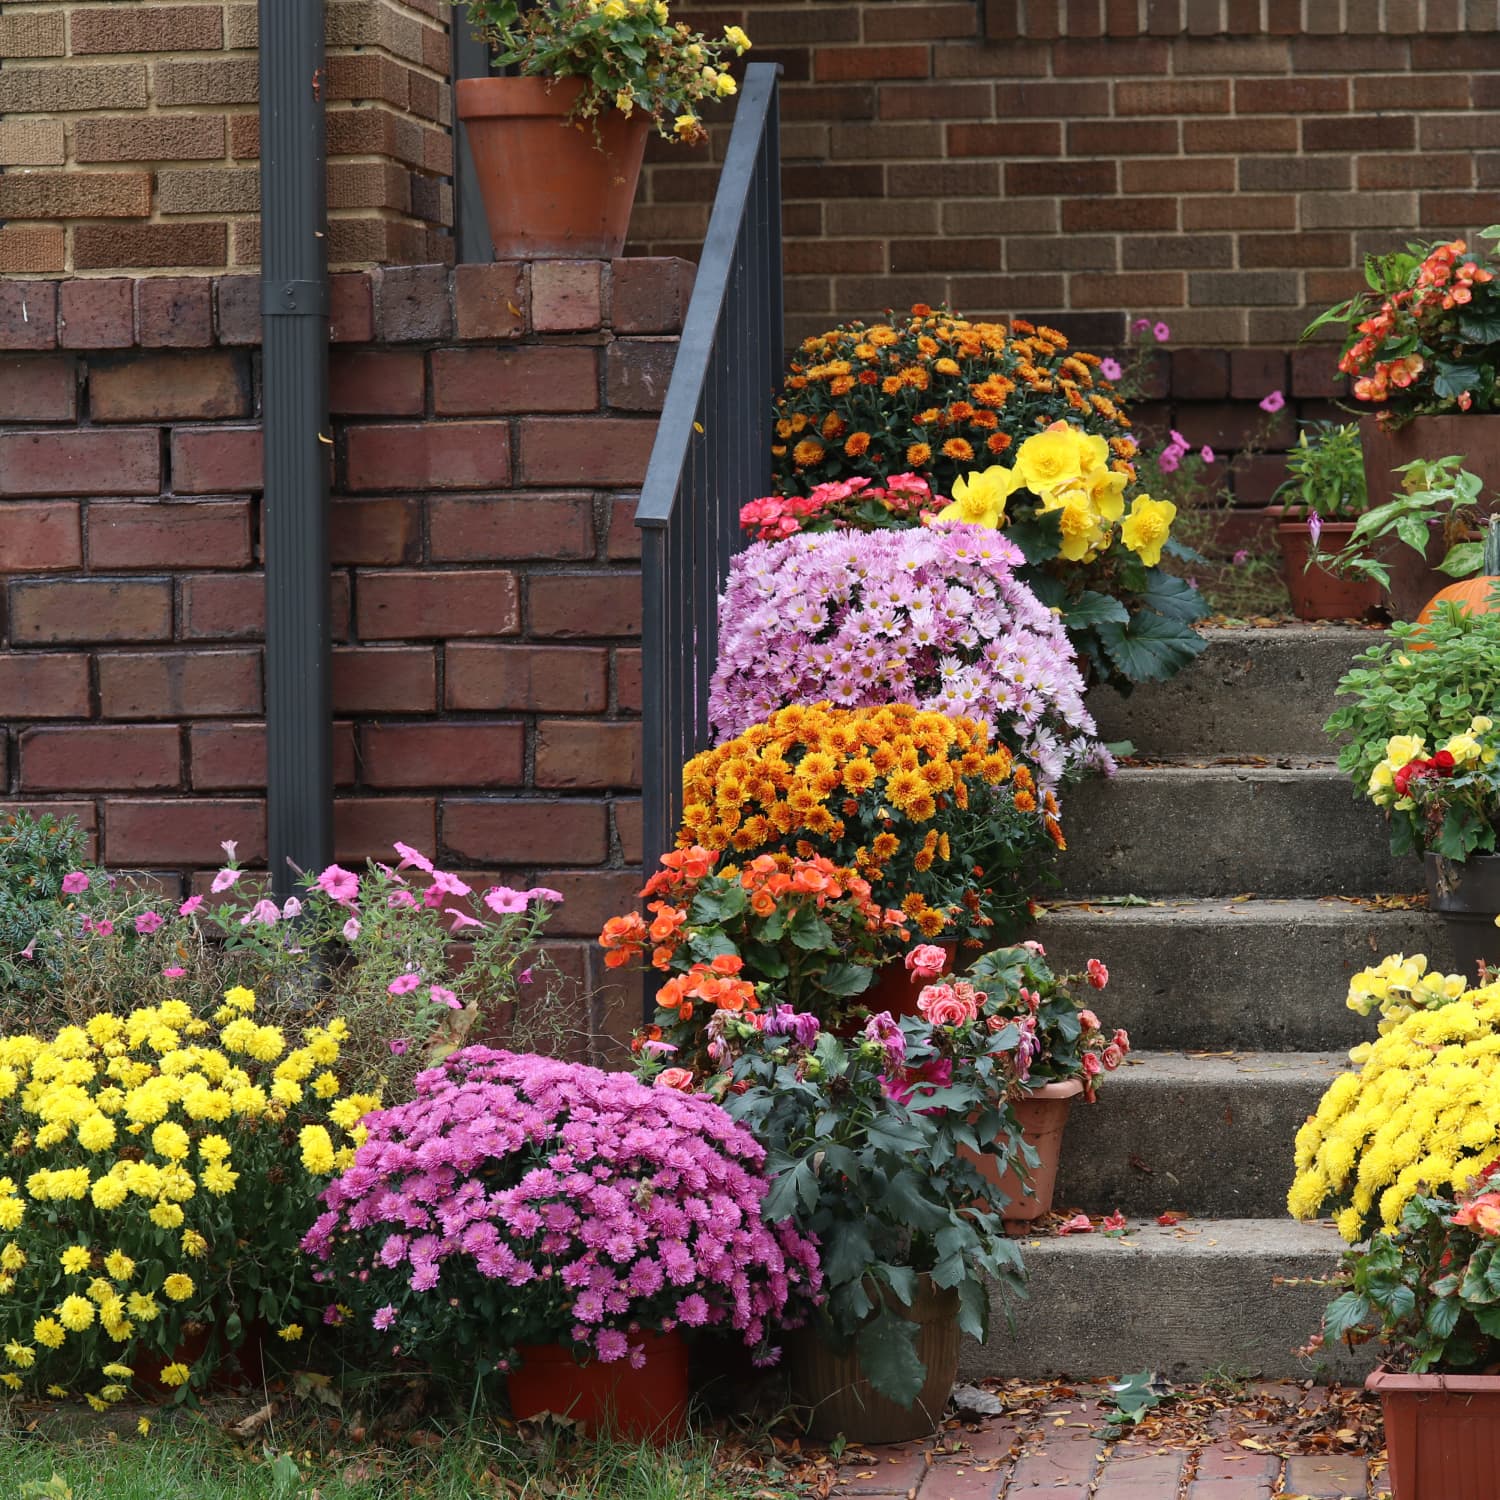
(1269, 1446)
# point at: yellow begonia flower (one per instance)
(724, 86)
(685, 126)
(1464, 749)
(1080, 529)
(1106, 490)
(1048, 460)
(1481, 724)
(979, 498)
(1403, 748)
(737, 39)
(1146, 528)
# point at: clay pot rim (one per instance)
(1066, 1088)
(509, 98)
(1392, 1380)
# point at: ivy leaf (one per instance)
(1151, 648)
(888, 1357)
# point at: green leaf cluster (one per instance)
(1325, 473)
(35, 854)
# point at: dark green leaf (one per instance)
(1151, 648)
(888, 1357)
(1092, 608)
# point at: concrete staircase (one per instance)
(1226, 882)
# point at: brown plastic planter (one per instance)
(1442, 1435)
(1318, 594)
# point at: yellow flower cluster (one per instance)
(1467, 749)
(1422, 1113)
(121, 1128)
(866, 787)
(1396, 987)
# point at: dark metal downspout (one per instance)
(298, 447)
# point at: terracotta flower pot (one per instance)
(896, 990)
(1442, 1434)
(1043, 1114)
(550, 190)
(651, 1402)
(1466, 894)
(1318, 594)
(833, 1385)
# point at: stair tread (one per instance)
(1215, 1069)
(1194, 1237)
(1222, 910)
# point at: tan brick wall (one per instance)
(1222, 164)
(129, 139)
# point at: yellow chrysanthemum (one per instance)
(76, 1313)
(175, 1375)
(178, 1287)
(75, 1258)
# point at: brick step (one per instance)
(1251, 692)
(1207, 1295)
(1268, 974)
(1202, 1135)
(1225, 830)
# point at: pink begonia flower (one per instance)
(942, 1005)
(75, 882)
(1078, 1224)
(147, 923)
(292, 908)
(1161, 333)
(503, 901)
(229, 846)
(1114, 1223)
(189, 906)
(1207, 454)
(544, 893)
(1110, 369)
(1087, 1020)
(926, 961)
(1112, 1057)
(412, 859)
(1098, 974)
(351, 929)
(1032, 946)
(265, 913)
(461, 919)
(223, 880)
(1272, 403)
(341, 884)
(441, 996)
(403, 984)
(176, 971)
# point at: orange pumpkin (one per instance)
(1474, 596)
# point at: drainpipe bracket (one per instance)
(294, 299)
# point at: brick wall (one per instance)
(1222, 164)
(129, 138)
(491, 426)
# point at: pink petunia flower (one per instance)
(223, 880)
(449, 885)
(399, 1046)
(1161, 333)
(75, 883)
(1110, 369)
(441, 996)
(340, 884)
(230, 846)
(412, 859)
(1207, 454)
(264, 913)
(544, 893)
(461, 919)
(147, 923)
(524, 977)
(291, 909)
(1141, 325)
(189, 906)
(351, 930)
(504, 901)
(403, 984)
(1273, 402)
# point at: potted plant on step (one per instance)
(1428, 1291)
(864, 1138)
(558, 148)
(1421, 743)
(1323, 496)
(566, 1226)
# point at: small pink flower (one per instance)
(1114, 1223)
(1169, 460)
(503, 901)
(223, 880)
(461, 919)
(351, 930)
(340, 884)
(926, 961)
(1032, 946)
(1098, 974)
(1207, 454)
(1078, 1224)
(1110, 369)
(1088, 1020)
(524, 977)
(1121, 1039)
(403, 984)
(229, 846)
(104, 928)
(189, 906)
(1273, 402)
(942, 1005)
(399, 1046)
(264, 913)
(449, 885)
(384, 1317)
(1315, 527)
(1161, 333)
(680, 1079)
(544, 893)
(1092, 1067)
(75, 883)
(1241, 557)
(412, 859)
(1141, 325)
(176, 971)
(1178, 441)
(147, 923)
(440, 996)
(1112, 1057)
(401, 901)
(291, 909)
(29, 951)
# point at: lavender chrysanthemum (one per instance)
(933, 617)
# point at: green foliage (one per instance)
(1326, 476)
(1132, 1396)
(35, 915)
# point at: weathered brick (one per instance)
(587, 753)
(484, 382)
(78, 609)
(31, 249)
(567, 296)
(174, 312)
(457, 755)
(412, 605)
(374, 531)
(516, 831)
(232, 757)
(213, 460)
(232, 606)
(846, 64)
(38, 388)
(489, 302)
(376, 383)
(649, 295)
(43, 685)
(147, 28)
(412, 303)
(166, 387)
(366, 827)
(28, 315)
(103, 247)
(145, 534)
(546, 679)
(75, 195)
(179, 684)
(176, 832)
(101, 757)
(351, 308)
(562, 605)
(208, 190)
(590, 898)
(40, 34)
(96, 314)
(467, 529)
(386, 679)
(229, 80)
(32, 143)
(39, 537)
(50, 89)
(583, 450)
(429, 455)
(155, 138)
(117, 461)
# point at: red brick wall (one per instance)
(491, 426)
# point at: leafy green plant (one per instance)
(1131, 1396)
(36, 856)
(1326, 476)
(1436, 493)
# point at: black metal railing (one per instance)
(712, 451)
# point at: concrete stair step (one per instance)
(1210, 830)
(1214, 973)
(1206, 1135)
(1209, 1294)
(1251, 692)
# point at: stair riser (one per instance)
(1274, 983)
(1222, 1149)
(1104, 1315)
(1222, 832)
(1250, 693)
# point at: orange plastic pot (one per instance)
(649, 1403)
(1043, 1115)
(1442, 1434)
(550, 190)
(896, 990)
